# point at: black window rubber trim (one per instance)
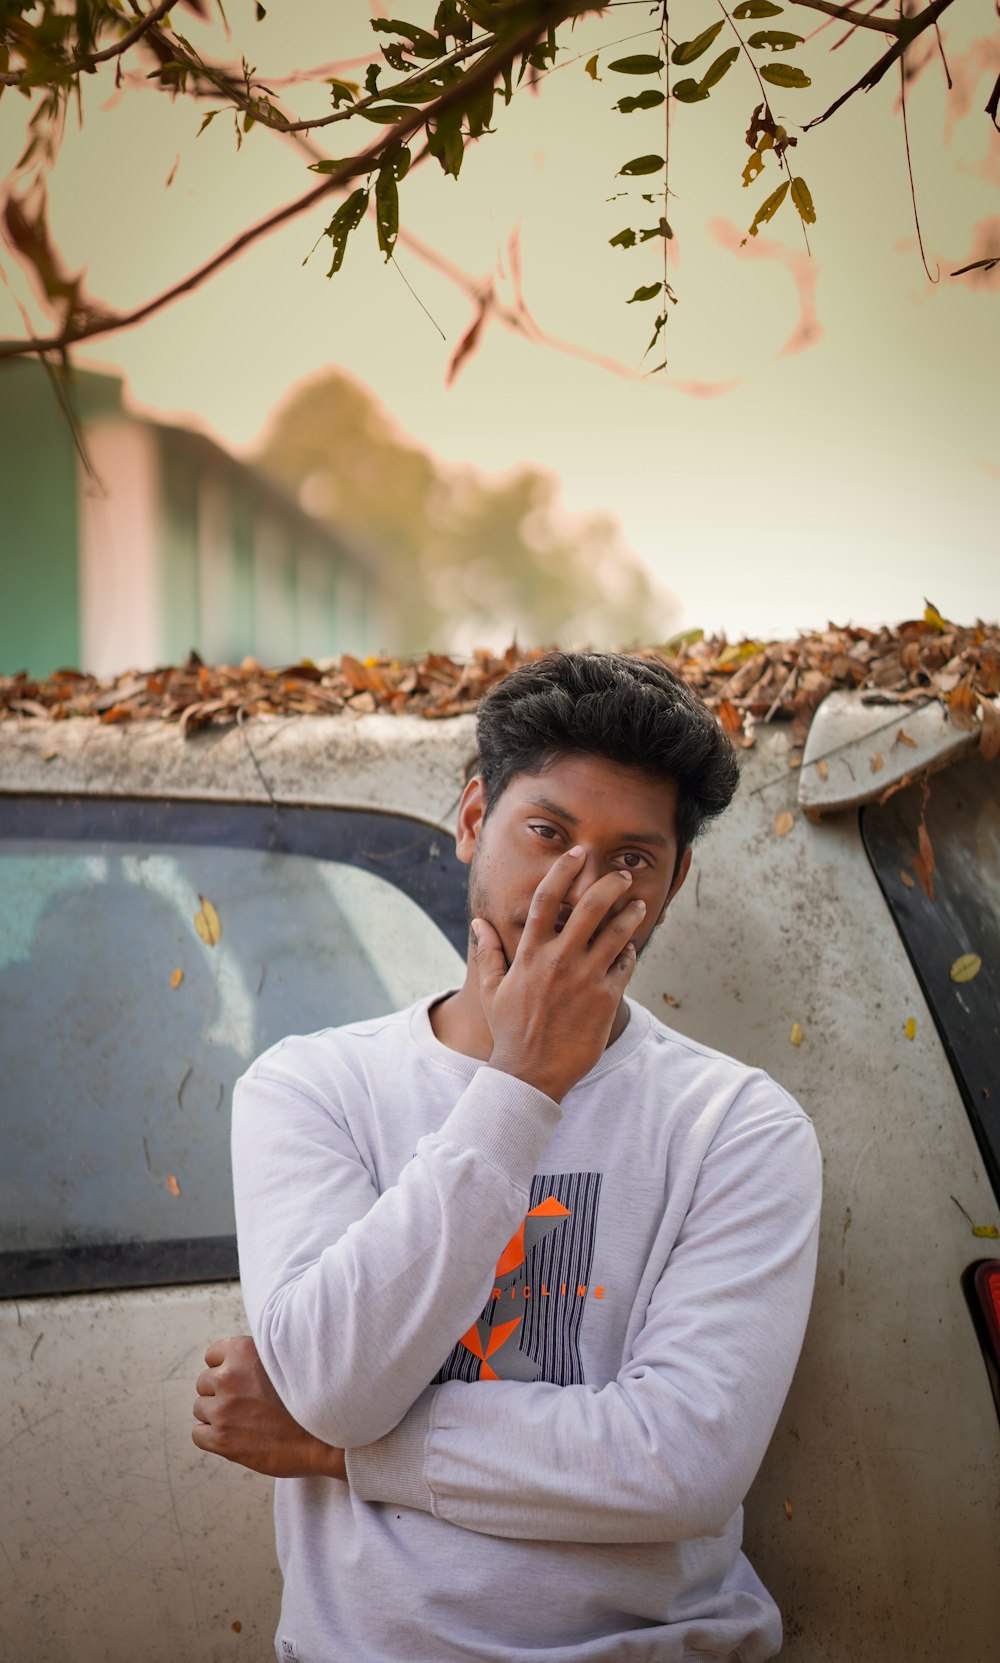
(416, 858)
(931, 933)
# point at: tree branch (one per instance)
(493, 63)
(16, 77)
(914, 26)
(861, 20)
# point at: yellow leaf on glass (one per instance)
(911, 1027)
(789, 1509)
(176, 979)
(783, 823)
(966, 967)
(172, 1184)
(823, 770)
(796, 1034)
(206, 922)
(989, 1232)
(876, 762)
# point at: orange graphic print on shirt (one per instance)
(530, 1327)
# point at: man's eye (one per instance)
(634, 861)
(548, 832)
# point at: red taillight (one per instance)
(987, 1285)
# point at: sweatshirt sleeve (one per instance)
(354, 1297)
(668, 1449)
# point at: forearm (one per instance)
(668, 1449)
(355, 1298)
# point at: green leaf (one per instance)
(688, 50)
(386, 209)
(658, 328)
(768, 208)
(206, 119)
(646, 100)
(422, 43)
(775, 40)
(648, 292)
(624, 239)
(591, 67)
(261, 13)
(386, 113)
(372, 74)
(720, 67)
(643, 164)
(342, 92)
(684, 638)
(347, 218)
(757, 8)
(328, 165)
(785, 75)
(688, 91)
(661, 230)
(400, 161)
(802, 197)
(444, 140)
(640, 63)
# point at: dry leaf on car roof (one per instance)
(783, 823)
(796, 1034)
(876, 762)
(910, 1029)
(176, 978)
(903, 738)
(906, 877)
(172, 1184)
(206, 922)
(789, 1509)
(989, 738)
(966, 967)
(962, 704)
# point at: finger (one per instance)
(216, 1353)
(491, 965)
(623, 966)
(204, 1438)
(205, 1383)
(616, 936)
(543, 913)
(597, 909)
(199, 1412)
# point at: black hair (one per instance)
(634, 711)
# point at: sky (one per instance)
(775, 477)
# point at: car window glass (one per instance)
(118, 1072)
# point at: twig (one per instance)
(871, 77)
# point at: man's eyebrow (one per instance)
(560, 813)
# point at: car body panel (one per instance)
(873, 1518)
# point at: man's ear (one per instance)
(471, 814)
(682, 872)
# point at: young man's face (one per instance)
(621, 817)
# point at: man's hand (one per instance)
(240, 1416)
(551, 1012)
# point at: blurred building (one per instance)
(173, 545)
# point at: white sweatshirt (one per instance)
(554, 1341)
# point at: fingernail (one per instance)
(577, 849)
(639, 905)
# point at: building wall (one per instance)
(119, 549)
(38, 527)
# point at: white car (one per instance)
(170, 906)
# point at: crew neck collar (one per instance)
(628, 1041)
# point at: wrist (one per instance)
(544, 1080)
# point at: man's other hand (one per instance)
(239, 1415)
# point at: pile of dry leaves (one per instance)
(744, 683)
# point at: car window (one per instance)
(123, 1029)
(962, 819)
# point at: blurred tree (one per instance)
(473, 560)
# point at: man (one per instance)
(527, 1272)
